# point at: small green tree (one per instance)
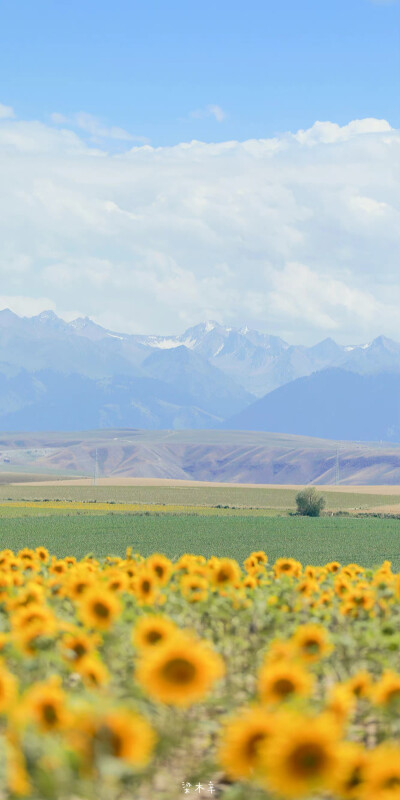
(309, 502)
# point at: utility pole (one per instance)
(95, 470)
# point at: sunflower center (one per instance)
(79, 649)
(116, 744)
(355, 779)
(311, 646)
(49, 713)
(223, 576)
(179, 670)
(283, 687)
(391, 782)
(159, 570)
(307, 759)
(80, 587)
(33, 618)
(146, 586)
(153, 637)
(252, 745)
(101, 610)
(285, 567)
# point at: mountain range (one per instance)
(57, 375)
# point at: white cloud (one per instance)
(298, 234)
(209, 111)
(94, 127)
(6, 112)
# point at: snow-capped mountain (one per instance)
(198, 378)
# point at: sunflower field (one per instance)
(143, 678)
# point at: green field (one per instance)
(278, 498)
(316, 541)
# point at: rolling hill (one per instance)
(209, 455)
(333, 404)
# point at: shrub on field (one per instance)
(309, 502)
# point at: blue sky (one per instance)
(173, 70)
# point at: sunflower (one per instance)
(77, 645)
(382, 773)
(256, 563)
(32, 593)
(260, 556)
(17, 777)
(188, 562)
(287, 566)
(301, 756)
(311, 642)
(282, 681)
(26, 554)
(340, 702)
(93, 671)
(180, 672)
(42, 554)
(241, 739)
(5, 556)
(310, 572)
(34, 614)
(117, 580)
(252, 566)
(45, 705)
(387, 691)
(349, 779)
(145, 587)
(194, 587)
(225, 572)
(5, 585)
(250, 582)
(161, 566)
(307, 587)
(8, 689)
(126, 735)
(99, 608)
(358, 599)
(326, 598)
(279, 650)
(333, 566)
(360, 684)
(78, 582)
(58, 567)
(152, 631)
(341, 585)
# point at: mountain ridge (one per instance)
(201, 378)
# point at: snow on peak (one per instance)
(357, 347)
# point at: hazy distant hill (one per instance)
(227, 456)
(332, 404)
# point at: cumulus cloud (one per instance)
(297, 235)
(6, 112)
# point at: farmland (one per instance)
(210, 520)
(275, 498)
(314, 541)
